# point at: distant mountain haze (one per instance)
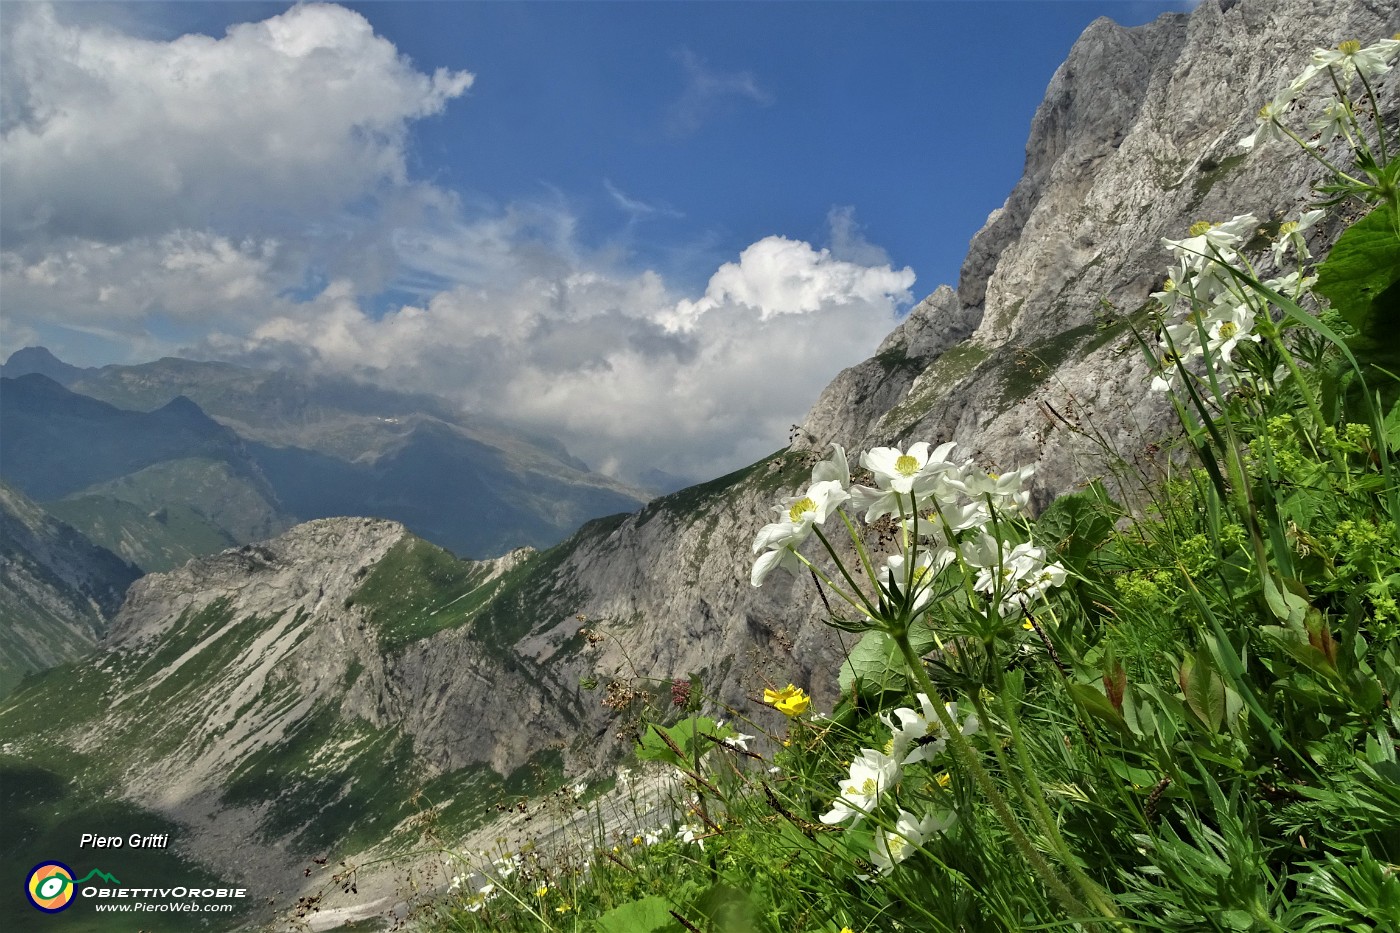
(290, 448)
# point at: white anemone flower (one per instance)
(894, 846)
(1270, 120)
(1016, 575)
(1232, 325)
(835, 470)
(1349, 59)
(801, 514)
(691, 833)
(871, 775)
(1206, 241)
(927, 566)
(1008, 490)
(1290, 234)
(1335, 120)
(911, 472)
(784, 558)
(920, 735)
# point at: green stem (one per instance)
(963, 751)
(1049, 824)
(870, 610)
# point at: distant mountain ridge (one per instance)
(296, 448)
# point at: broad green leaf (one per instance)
(1286, 606)
(1073, 526)
(877, 664)
(1361, 279)
(1204, 690)
(684, 735)
(1097, 705)
(648, 915)
(1363, 265)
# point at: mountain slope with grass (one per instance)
(283, 700)
(57, 590)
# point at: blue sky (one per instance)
(608, 221)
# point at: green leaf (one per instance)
(1075, 525)
(1286, 606)
(1361, 279)
(1097, 705)
(877, 664)
(1362, 266)
(683, 735)
(648, 915)
(1204, 689)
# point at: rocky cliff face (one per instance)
(1136, 140)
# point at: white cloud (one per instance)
(708, 92)
(108, 136)
(185, 193)
(628, 374)
(196, 276)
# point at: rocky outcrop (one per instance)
(1137, 138)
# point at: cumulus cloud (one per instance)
(707, 93)
(107, 136)
(629, 375)
(241, 196)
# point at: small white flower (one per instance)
(1349, 59)
(1336, 120)
(835, 470)
(691, 833)
(1207, 241)
(1009, 491)
(1270, 120)
(1234, 324)
(871, 775)
(909, 833)
(908, 473)
(579, 789)
(927, 566)
(920, 735)
(1290, 234)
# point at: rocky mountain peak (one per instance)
(313, 565)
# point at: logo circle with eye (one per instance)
(50, 887)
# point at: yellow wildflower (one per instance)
(790, 701)
(542, 890)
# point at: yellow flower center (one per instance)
(1169, 285)
(1349, 47)
(801, 507)
(1200, 228)
(869, 787)
(1169, 358)
(889, 747)
(906, 465)
(1228, 330)
(897, 845)
(1287, 227)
